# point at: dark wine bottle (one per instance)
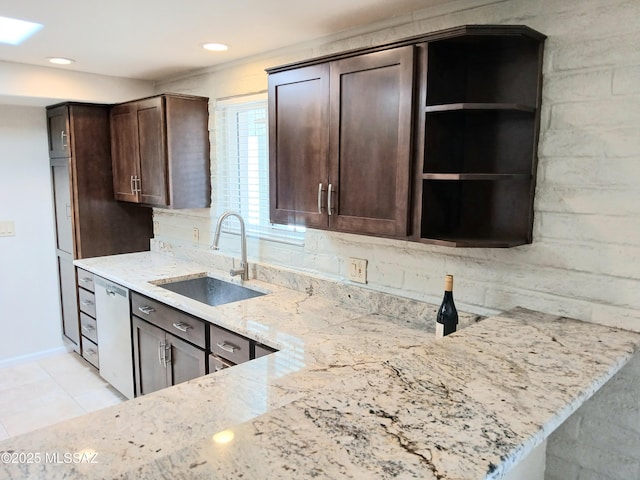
(447, 318)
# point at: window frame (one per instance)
(228, 159)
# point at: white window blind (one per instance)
(241, 173)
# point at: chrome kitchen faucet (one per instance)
(243, 271)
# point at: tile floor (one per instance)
(49, 390)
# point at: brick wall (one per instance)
(585, 258)
(601, 440)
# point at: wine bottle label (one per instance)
(439, 330)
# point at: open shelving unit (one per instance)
(479, 124)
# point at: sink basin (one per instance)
(211, 291)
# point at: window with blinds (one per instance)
(241, 172)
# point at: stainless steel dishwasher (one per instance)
(114, 335)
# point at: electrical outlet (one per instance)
(358, 270)
(7, 228)
(196, 235)
(156, 226)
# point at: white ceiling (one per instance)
(156, 39)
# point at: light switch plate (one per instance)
(7, 228)
(358, 270)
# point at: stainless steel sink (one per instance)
(211, 291)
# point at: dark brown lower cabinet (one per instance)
(161, 359)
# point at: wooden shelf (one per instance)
(452, 107)
(476, 176)
(462, 242)
(480, 111)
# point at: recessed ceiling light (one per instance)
(215, 47)
(61, 60)
(14, 32)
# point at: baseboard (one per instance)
(32, 357)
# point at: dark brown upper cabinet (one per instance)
(58, 132)
(160, 151)
(340, 143)
(478, 134)
(432, 138)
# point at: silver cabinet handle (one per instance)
(146, 309)
(217, 368)
(329, 191)
(87, 328)
(160, 353)
(85, 279)
(227, 347)
(68, 208)
(63, 136)
(166, 358)
(320, 190)
(183, 327)
(86, 303)
(138, 184)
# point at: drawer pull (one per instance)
(91, 351)
(86, 303)
(87, 328)
(86, 279)
(227, 347)
(183, 327)
(146, 309)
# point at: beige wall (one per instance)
(585, 258)
(29, 305)
(22, 84)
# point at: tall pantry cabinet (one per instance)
(89, 221)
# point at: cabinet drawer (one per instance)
(90, 352)
(229, 345)
(87, 302)
(216, 364)
(263, 350)
(89, 327)
(180, 324)
(85, 280)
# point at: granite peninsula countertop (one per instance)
(359, 389)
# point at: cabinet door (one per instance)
(68, 300)
(298, 146)
(125, 155)
(370, 139)
(153, 158)
(184, 361)
(149, 369)
(58, 131)
(62, 205)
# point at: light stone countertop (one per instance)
(354, 392)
